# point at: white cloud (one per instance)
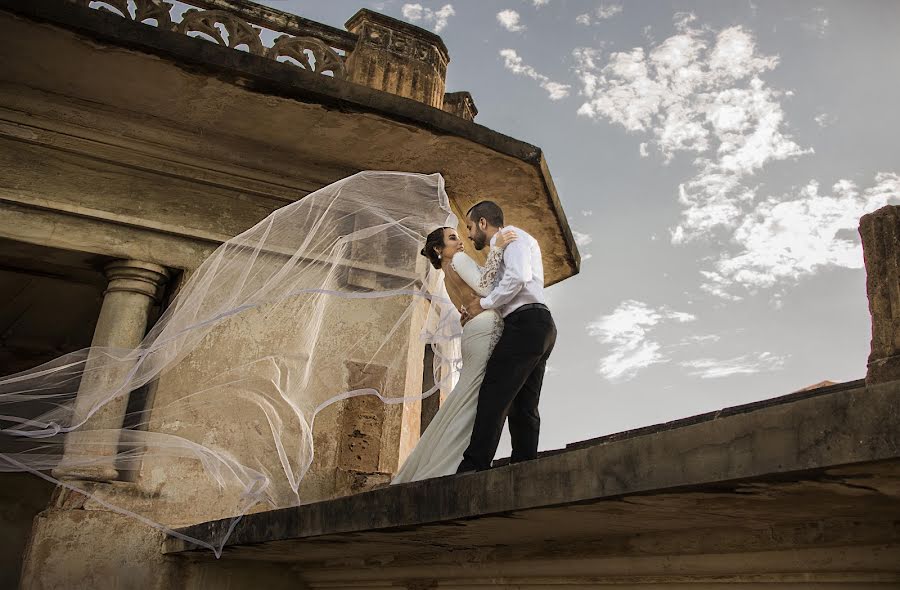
(824, 120)
(626, 330)
(693, 95)
(587, 58)
(607, 11)
(556, 90)
(818, 23)
(412, 11)
(710, 368)
(439, 18)
(702, 94)
(587, 213)
(784, 239)
(603, 12)
(514, 64)
(699, 339)
(509, 20)
(717, 286)
(682, 20)
(581, 239)
(539, 3)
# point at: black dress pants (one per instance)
(512, 388)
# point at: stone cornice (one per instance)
(265, 76)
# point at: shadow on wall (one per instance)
(22, 496)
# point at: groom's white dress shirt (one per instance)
(522, 275)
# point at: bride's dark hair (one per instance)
(434, 240)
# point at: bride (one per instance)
(440, 450)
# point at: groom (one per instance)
(515, 371)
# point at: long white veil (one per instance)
(325, 299)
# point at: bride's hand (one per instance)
(506, 237)
(463, 315)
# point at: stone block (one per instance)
(880, 232)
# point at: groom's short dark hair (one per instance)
(490, 210)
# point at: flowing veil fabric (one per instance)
(258, 338)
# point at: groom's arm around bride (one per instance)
(515, 372)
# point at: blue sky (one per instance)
(714, 158)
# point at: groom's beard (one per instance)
(480, 240)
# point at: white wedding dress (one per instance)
(440, 450)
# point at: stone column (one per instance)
(397, 57)
(90, 451)
(880, 232)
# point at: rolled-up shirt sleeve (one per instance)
(518, 271)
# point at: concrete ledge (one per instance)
(806, 437)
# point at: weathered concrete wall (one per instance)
(89, 547)
(357, 442)
(22, 497)
(95, 549)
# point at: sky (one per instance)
(713, 158)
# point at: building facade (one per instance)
(134, 140)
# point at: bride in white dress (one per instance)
(440, 450)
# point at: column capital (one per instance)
(135, 276)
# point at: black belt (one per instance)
(528, 306)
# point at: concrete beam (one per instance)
(815, 434)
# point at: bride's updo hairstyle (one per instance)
(434, 240)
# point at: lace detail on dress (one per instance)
(482, 279)
(497, 332)
(491, 269)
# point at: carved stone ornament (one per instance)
(325, 59)
(144, 10)
(376, 35)
(239, 32)
(310, 53)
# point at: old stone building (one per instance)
(134, 140)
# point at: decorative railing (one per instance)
(291, 39)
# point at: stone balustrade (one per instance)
(375, 51)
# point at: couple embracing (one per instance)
(508, 334)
